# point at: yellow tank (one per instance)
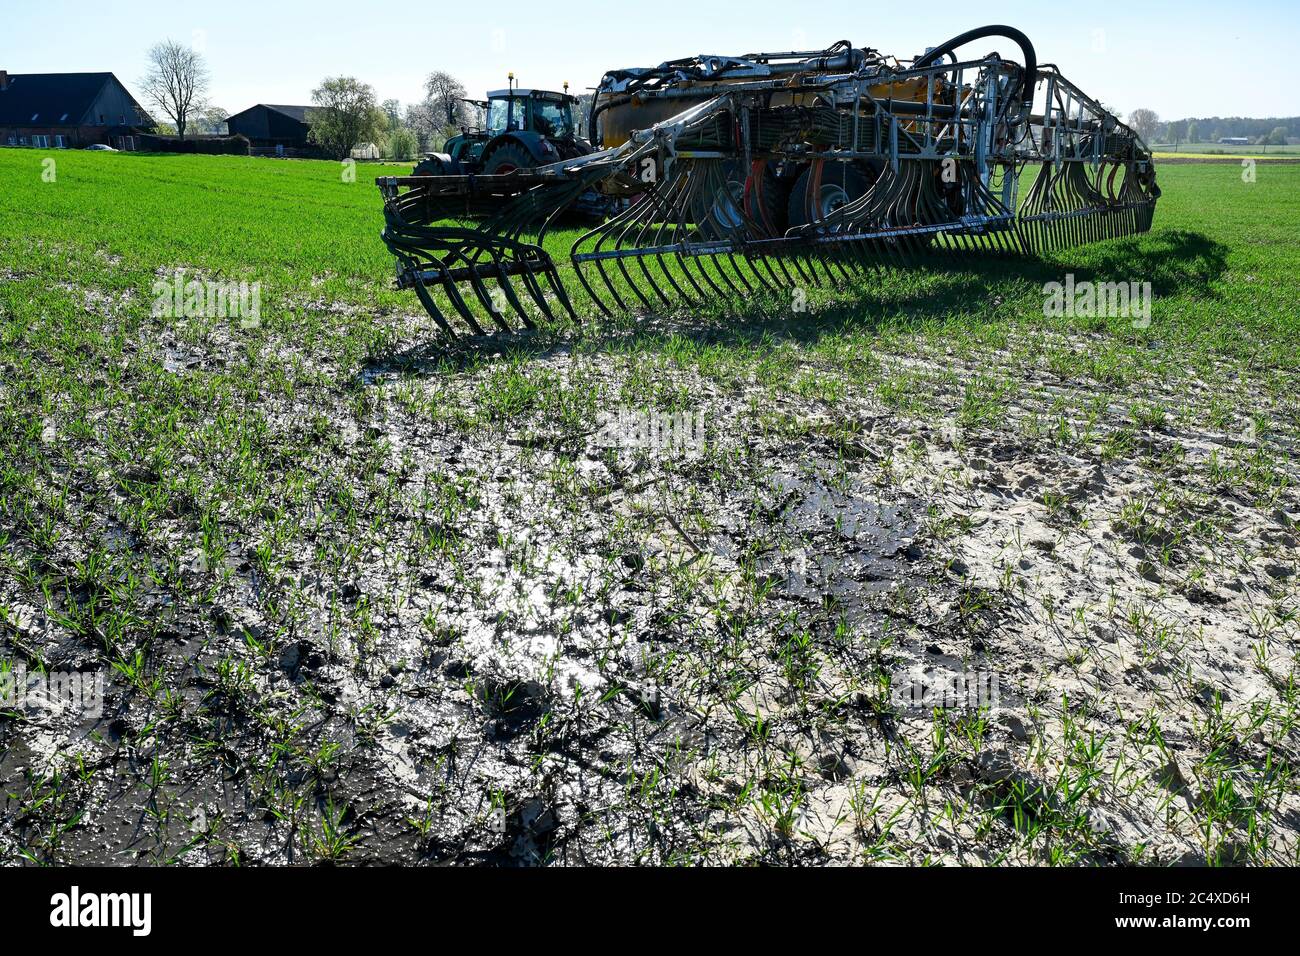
(617, 122)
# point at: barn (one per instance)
(68, 110)
(268, 125)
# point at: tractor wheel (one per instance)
(841, 184)
(429, 166)
(506, 158)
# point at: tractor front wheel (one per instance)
(506, 158)
(429, 166)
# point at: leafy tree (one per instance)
(345, 114)
(1192, 131)
(176, 83)
(393, 110)
(1278, 136)
(212, 120)
(402, 144)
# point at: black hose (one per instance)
(1011, 33)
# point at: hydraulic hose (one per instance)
(997, 30)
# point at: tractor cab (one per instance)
(531, 111)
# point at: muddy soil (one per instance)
(542, 640)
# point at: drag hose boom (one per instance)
(717, 177)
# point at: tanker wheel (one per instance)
(718, 214)
(506, 158)
(840, 185)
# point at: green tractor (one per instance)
(524, 129)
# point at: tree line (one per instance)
(345, 112)
(1272, 131)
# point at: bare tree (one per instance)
(177, 82)
(1145, 122)
(581, 113)
(447, 94)
(346, 114)
(422, 120)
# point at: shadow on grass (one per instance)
(1176, 263)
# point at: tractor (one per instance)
(728, 176)
(524, 129)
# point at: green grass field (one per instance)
(364, 597)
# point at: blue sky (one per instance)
(1195, 58)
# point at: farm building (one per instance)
(268, 125)
(62, 110)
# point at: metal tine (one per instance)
(778, 257)
(549, 270)
(557, 287)
(591, 293)
(656, 221)
(508, 290)
(736, 236)
(692, 234)
(741, 237)
(673, 220)
(459, 304)
(422, 293)
(735, 267)
(677, 221)
(476, 283)
(653, 221)
(759, 231)
(600, 268)
(670, 225)
(777, 283)
(413, 261)
(798, 251)
(722, 272)
(529, 257)
(644, 214)
(681, 235)
(601, 234)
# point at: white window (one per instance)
(41, 142)
(13, 140)
(61, 141)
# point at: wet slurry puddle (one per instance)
(550, 653)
